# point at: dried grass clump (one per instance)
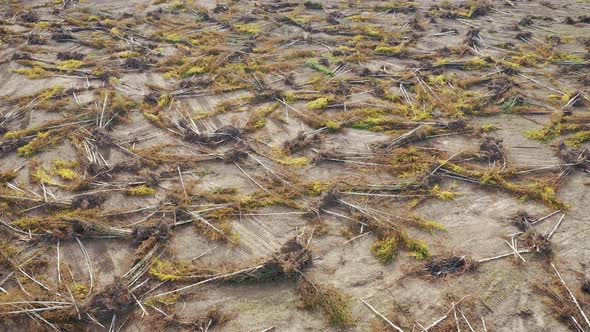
(7, 252)
(540, 189)
(409, 161)
(331, 301)
(288, 263)
(559, 304)
(184, 271)
(68, 224)
(214, 318)
(7, 175)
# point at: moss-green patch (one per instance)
(69, 64)
(39, 174)
(418, 248)
(65, 169)
(486, 128)
(316, 188)
(385, 249)
(544, 135)
(293, 161)
(164, 100)
(373, 31)
(156, 119)
(50, 92)
(280, 157)
(475, 63)
(80, 291)
(141, 190)
(193, 71)
(525, 59)
(177, 5)
(248, 28)
(391, 50)
(42, 142)
(315, 65)
(319, 103)
(578, 139)
(428, 225)
(173, 37)
(376, 122)
(169, 270)
(128, 54)
(445, 195)
(562, 56)
(34, 72)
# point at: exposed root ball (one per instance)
(327, 199)
(152, 98)
(136, 63)
(13, 144)
(70, 55)
(456, 125)
(492, 148)
(141, 233)
(235, 154)
(114, 299)
(225, 133)
(102, 137)
(300, 142)
(580, 158)
(480, 8)
(62, 37)
(500, 86)
(539, 242)
(521, 220)
(286, 264)
(472, 38)
(88, 201)
(29, 17)
(524, 35)
(440, 267)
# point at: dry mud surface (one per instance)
(282, 165)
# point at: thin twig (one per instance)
(397, 328)
(571, 295)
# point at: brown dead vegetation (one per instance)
(287, 95)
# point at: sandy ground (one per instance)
(501, 293)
